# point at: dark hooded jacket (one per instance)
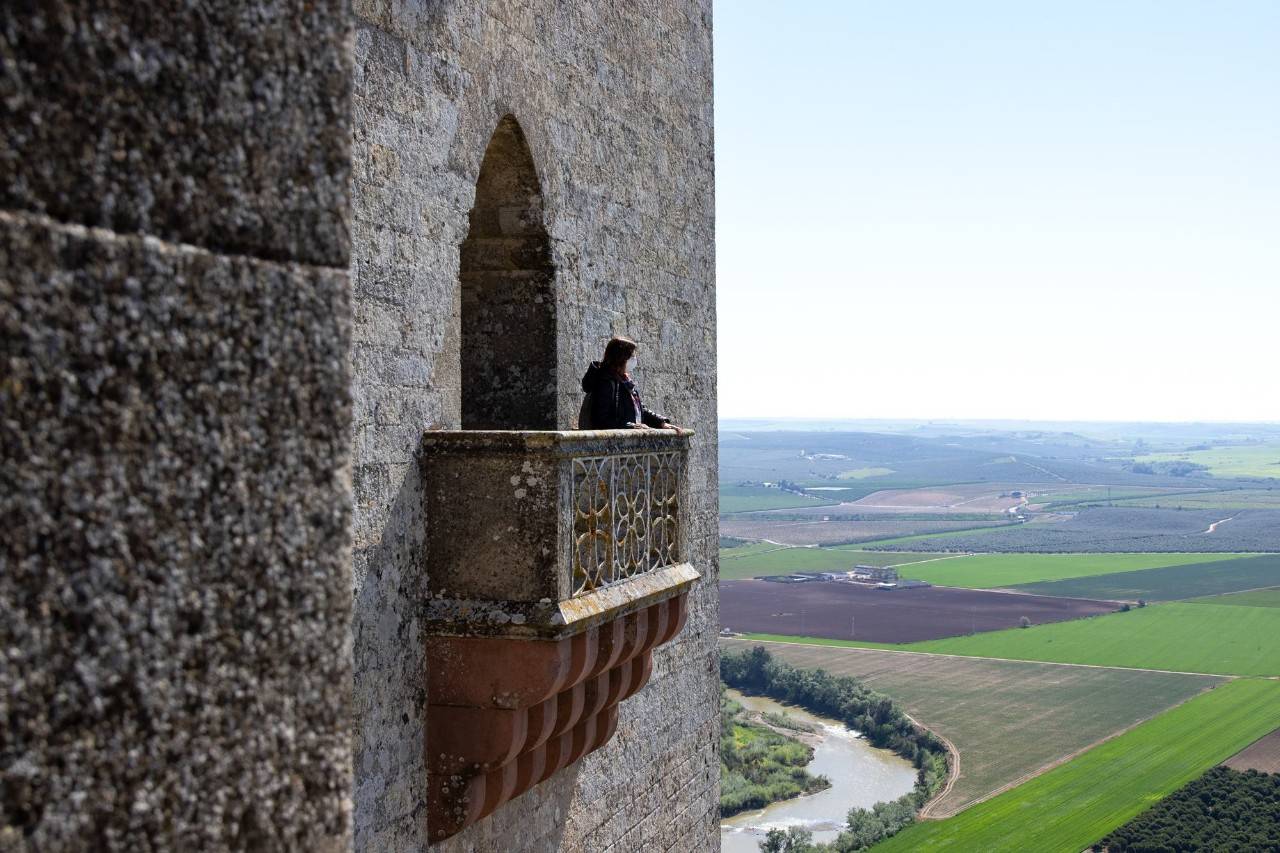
(612, 401)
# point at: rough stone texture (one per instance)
(614, 101)
(213, 122)
(174, 586)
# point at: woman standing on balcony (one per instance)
(612, 401)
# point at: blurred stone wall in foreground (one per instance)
(174, 426)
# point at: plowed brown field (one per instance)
(834, 610)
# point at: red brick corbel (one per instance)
(508, 712)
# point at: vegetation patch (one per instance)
(1250, 460)
(1072, 806)
(1222, 810)
(1170, 583)
(995, 571)
(1008, 720)
(871, 713)
(758, 765)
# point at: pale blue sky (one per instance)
(999, 209)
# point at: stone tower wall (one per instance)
(614, 100)
(174, 426)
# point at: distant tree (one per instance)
(1142, 602)
(794, 840)
(1024, 622)
(1124, 608)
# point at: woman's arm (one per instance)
(653, 419)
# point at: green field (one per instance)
(1074, 805)
(1253, 598)
(757, 498)
(995, 571)
(1207, 577)
(1250, 460)
(1007, 719)
(760, 559)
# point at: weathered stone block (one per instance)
(174, 570)
(214, 122)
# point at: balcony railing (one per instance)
(555, 565)
(626, 516)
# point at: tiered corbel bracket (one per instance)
(529, 657)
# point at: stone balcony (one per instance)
(555, 564)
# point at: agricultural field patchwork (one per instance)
(1121, 529)
(836, 610)
(1170, 583)
(815, 531)
(1069, 496)
(1178, 636)
(1206, 638)
(1070, 807)
(997, 571)
(1007, 719)
(1071, 712)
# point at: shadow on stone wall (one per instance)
(390, 678)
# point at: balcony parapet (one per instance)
(546, 534)
(556, 565)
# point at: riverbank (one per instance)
(761, 761)
(860, 775)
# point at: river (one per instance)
(860, 775)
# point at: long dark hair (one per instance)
(617, 352)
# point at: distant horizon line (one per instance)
(970, 420)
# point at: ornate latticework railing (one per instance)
(626, 517)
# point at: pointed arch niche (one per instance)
(508, 295)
